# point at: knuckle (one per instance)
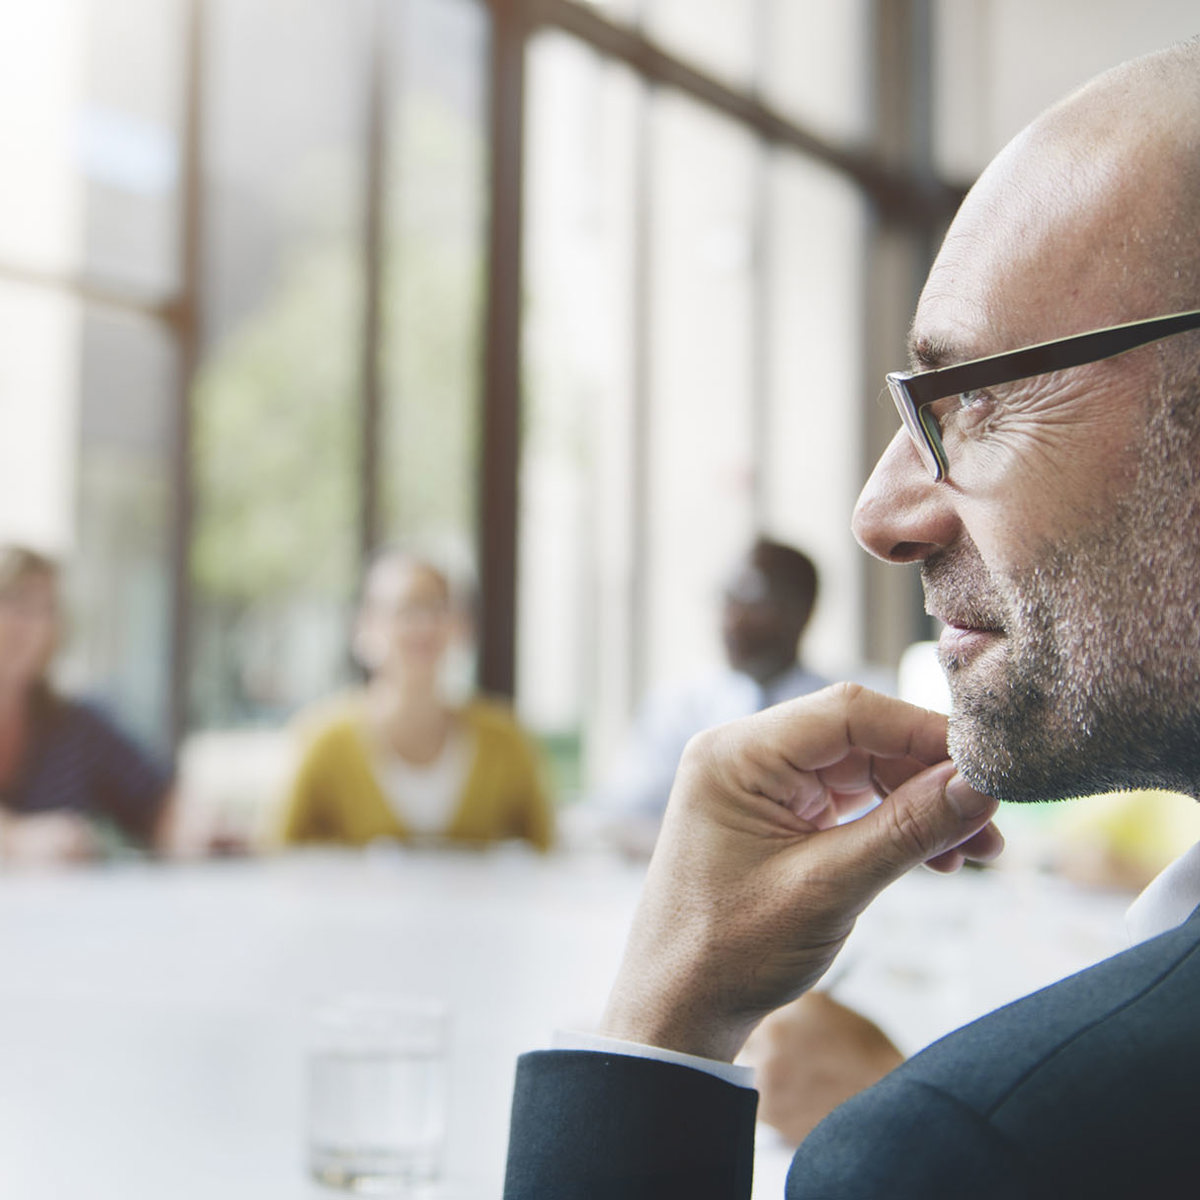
(702, 759)
(911, 832)
(847, 693)
(700, 748)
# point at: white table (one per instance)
(152, 1019)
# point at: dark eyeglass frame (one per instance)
(914, 392)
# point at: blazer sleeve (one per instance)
(592, 1126)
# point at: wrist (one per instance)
(679, 1025)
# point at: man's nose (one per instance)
(902, 515)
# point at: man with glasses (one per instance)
(766, 605)
(1047, 482)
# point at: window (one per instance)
(91, 107)
(433, 286)
(578, 501)
(249, 285)
(276, 403)
(682, 276)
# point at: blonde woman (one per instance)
(398, 760)
(64, 766)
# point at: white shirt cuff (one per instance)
(740, 1076)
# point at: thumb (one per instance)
(929, 814)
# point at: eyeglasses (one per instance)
(915, 393)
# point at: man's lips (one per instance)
(970, 624)
(960, 639)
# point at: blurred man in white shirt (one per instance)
(767, 603)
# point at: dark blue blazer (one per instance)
(1087, 1088)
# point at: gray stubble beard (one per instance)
(1099, 688)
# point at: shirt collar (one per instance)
(1168, 901)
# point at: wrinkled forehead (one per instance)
(1058, 236)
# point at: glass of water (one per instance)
(377, 1093)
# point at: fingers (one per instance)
(753, 887)
(936, 817)
(984, 846)
(890, 773)
(835, 747)
(826, 753)
(819, 730)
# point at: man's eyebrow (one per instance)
(928, 353)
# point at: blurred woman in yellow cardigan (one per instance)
(396, 760)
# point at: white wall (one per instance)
(1000, 62)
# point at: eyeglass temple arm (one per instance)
(1046, 357)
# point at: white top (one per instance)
(1167, 902)
(425, 798)
(641, 781)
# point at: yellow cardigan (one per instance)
(336, 797)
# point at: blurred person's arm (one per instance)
(189, 831)
(171, 836)
(131, 787)
(809, 1057)
(89, 772)
(44, 839)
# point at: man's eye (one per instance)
(962, 415)
(967, 407)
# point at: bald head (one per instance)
(1089, 217)
(1136, 129)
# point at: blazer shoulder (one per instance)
(1086, 1085)
(1149, 988)
(909, 1140)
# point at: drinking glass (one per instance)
(377, 1093)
